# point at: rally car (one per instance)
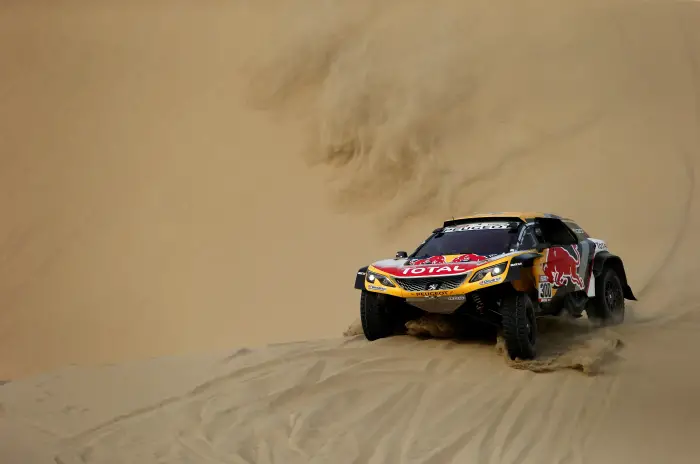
(500, 269)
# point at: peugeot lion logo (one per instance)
(434, 286)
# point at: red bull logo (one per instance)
(432, 260)
(562, 267)
(469, 258)
(466, 258)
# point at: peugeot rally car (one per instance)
(502, 269)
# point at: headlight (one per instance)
(495, 271)
(382, 279)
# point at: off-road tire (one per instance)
(607, 307)
(519, 326)
(378, 319)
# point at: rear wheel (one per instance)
(519, 326)
(381, 316)
(607, 307)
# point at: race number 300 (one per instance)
(545, 291)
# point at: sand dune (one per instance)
(163, 163)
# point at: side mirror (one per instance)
(401, 255)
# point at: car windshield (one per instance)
(484, 239)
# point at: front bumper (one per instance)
(438, 304)
(438, 294)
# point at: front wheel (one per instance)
(378, 319)
(519, 326)
(607, 307)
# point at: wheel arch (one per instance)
(525, 260)
(605, 259)
(520, 273)
(360, 278)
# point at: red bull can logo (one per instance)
(562, 267)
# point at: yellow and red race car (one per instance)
(501, 269)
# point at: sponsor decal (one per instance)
(600, 245)
(432, 260)
(465, 258)
(435, 270)
(544, 278)
(457, 298)
(469, 258)
(515, 264)
(545, 291)
(561, 267)
(374, 287)
(432, 294)
(479, 226)
(489, 281)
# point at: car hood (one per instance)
(441, 265)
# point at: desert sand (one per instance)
(188, 189)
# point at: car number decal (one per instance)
(545, 291)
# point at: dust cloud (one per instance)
(427, 111)
(182, 180)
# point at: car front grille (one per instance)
(420, 284)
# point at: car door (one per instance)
(566, 261)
